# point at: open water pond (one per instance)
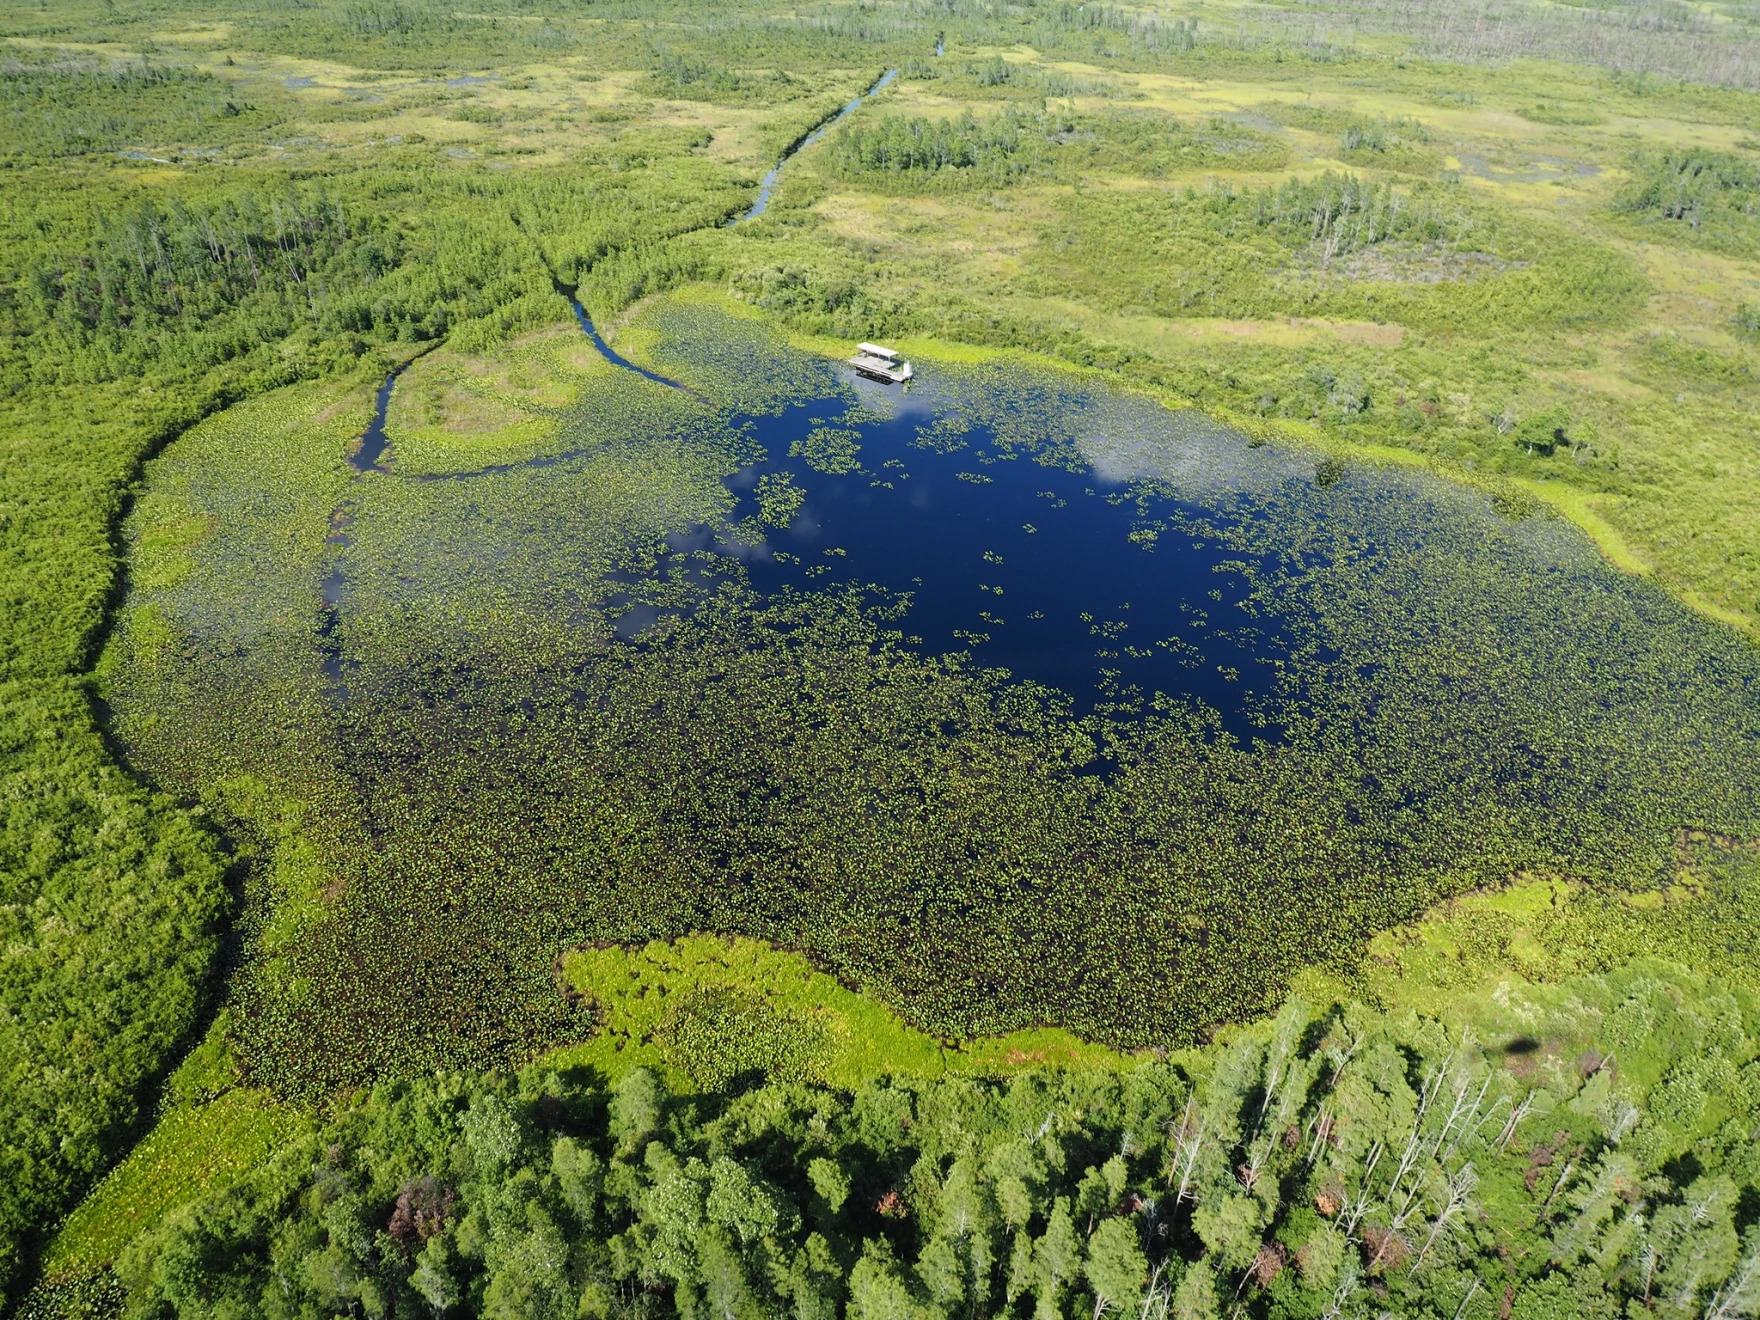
(1027, 556)
(781, 653)
(1058, 535)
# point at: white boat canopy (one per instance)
(874, 350)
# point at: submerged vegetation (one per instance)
(450, 817)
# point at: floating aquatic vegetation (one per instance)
(596, 697)
(738, 364)
(829, 449)
(779, 499)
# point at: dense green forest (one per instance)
(307, 958)
(1312, 1168)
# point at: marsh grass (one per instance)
(705, 1009)
(1189, 256)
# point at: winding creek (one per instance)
(768, 186)
(374, 447)
(610, 354)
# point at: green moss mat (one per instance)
(705, 1010)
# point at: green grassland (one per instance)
(1534, 277)
(702, 1010)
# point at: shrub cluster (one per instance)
(908, 152)
(1710, 198)
(693, 79)
(1383, 134)
(1343, 213)
(71, 109)
(990, 152)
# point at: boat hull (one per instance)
(881, 370)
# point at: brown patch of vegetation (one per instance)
(1269, 1263)
(1389, 335)
(421, 1212)
(1384, 1250)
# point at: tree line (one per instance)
(991, 150)
(1328, 1164)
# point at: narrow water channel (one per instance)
(768, 186)
(369, 454)
(610, 354)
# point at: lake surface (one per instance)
(1012, 556)
(1038, 545)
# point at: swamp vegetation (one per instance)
(1204, 806)
(564, 667)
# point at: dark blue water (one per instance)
(1028, 567)
(1023, 564)
(374, 443)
